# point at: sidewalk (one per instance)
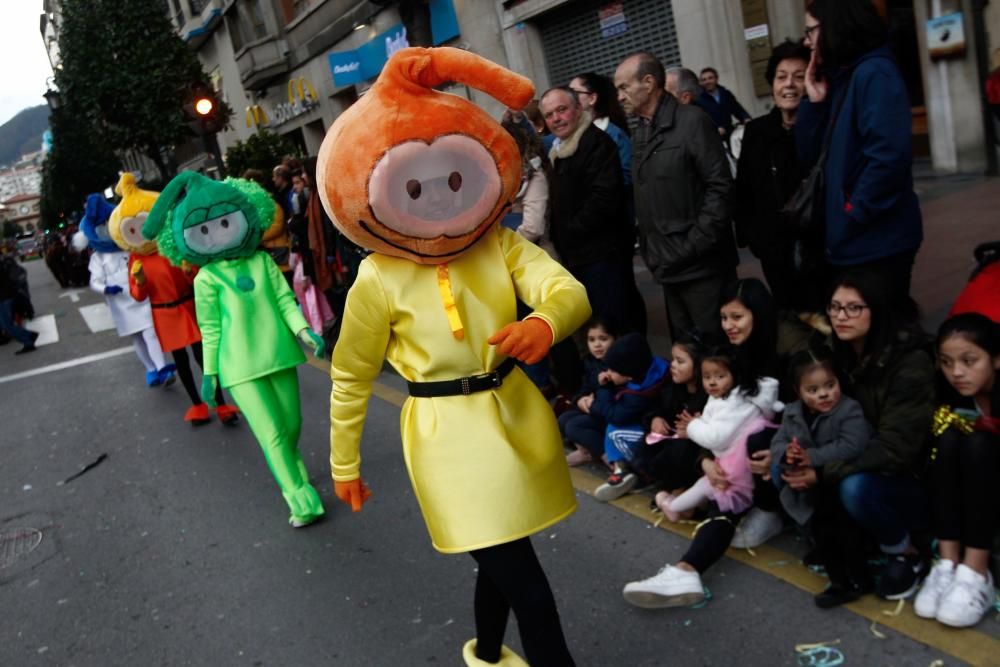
(960, 212)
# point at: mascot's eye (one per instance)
(204, 229)
(454, 181)
(224, 223)
(413, 188)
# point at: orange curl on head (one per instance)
(419, 174)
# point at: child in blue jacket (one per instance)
(629, 389)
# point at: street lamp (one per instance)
(52, 94)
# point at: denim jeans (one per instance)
(22, 336)
(888, 507)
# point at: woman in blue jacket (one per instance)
(852, 82)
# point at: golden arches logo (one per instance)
(302, 89)
(256, 116)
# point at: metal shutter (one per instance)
(571, 37)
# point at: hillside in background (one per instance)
(23, 133)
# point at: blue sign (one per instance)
(366, 61)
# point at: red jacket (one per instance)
(171, 294)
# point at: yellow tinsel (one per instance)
(945, 417)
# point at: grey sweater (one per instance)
(837, 436)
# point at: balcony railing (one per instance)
(262, 62)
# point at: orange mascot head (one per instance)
(415, 173)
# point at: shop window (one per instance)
(255, 18)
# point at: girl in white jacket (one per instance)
(736, 409)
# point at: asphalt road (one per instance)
(174, 549)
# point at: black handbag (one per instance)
(805, 211)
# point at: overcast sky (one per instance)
(22, 54)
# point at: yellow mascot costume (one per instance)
(421, 178)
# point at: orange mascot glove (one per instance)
(353, 493)
(528, 340)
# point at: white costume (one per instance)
(132, 318)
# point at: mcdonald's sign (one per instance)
(302, 98)
(256, 116)
(299, 88)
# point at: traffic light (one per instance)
(204, 110)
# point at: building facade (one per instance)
(20, 180)
(551, 40)
(273, 61)
(23, 210)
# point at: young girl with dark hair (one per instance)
(738, 406)
(822, 427)
(581, 429)
(669, 459)
(888, 370)
(963, 470)
(750, 322)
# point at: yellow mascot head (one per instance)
(419, 174)
(126, 221)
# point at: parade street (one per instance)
(128, 537)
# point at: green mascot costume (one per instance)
(247, 315)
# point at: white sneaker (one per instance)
(969, 598)
(756, 528)
(619, 483)
(670, 587)
(935, 586)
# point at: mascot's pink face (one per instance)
(446, 188)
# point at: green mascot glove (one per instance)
(209, 383)
(315, 341)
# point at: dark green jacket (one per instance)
(682, 185)
(896, 392)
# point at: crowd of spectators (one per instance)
(813, 402)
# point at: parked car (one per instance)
(28, 247)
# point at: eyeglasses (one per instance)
(810, 29)
(581, 92)
(852, 310)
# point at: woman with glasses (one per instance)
(859, 107)
(887, 368)
(597, 95)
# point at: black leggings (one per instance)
(962, 478)
(510, 577)
(187, 378)
(714, 536)
(673, 464)
(712, 539)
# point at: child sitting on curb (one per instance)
(582, 429)
(629, 389)
(737, 407)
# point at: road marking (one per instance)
(45, 327)
(66, 364)
(73, 294)
(969, 644)
(97, 316)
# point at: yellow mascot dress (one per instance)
(422, 178)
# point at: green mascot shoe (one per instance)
(507, 657)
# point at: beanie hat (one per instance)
(630, 355)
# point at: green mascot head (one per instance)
(199, 220)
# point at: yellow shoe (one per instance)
(507, 657)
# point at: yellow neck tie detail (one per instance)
(448, 299)
(945, 417)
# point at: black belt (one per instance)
(463, 386)
(172, 303)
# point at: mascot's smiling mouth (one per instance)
(474, 236)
